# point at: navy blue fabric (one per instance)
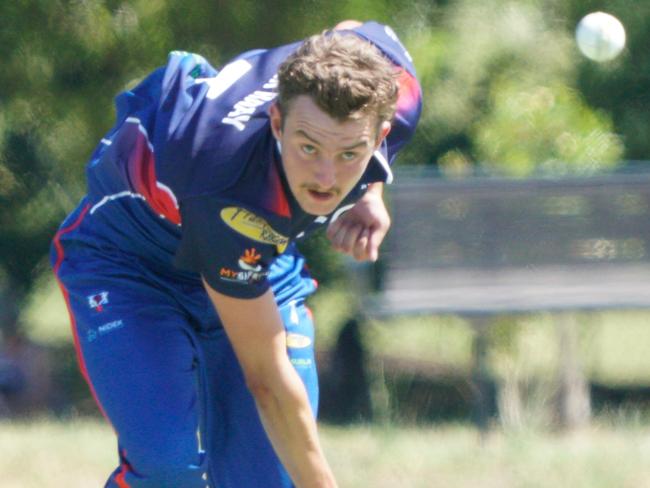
(162, 369)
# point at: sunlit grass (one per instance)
(455, 456)
(47, 453)
(81, 453)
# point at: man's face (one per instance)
(323, 158)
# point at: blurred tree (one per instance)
(618, 87)
(498, 82)
(547, 129)
(63, 62)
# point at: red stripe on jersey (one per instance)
(276, 200)
(409, 93)
(120, 479)
(142, 173)
(66, 297)
(73, 324)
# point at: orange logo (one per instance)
(251, 257)
(227, 273)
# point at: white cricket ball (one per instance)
(600, 36)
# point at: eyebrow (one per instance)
(302, 133)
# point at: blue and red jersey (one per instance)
(190, 177)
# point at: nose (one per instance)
(325, 173)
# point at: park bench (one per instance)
(488, 246)
(483, 247)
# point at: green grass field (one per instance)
(80, 454)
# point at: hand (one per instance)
(360, 231)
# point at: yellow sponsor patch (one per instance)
(298, 341)
(253, 227)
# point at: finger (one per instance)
(341, 236)
(333, 228)
(360, 247)
(375, 238)
(337, 235)
(348, 236)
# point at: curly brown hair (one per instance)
(346, 76)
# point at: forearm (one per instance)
(257, 334)
(284, 410)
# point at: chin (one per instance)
(315, 208)
(318, 209)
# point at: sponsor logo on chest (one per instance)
(254, 227)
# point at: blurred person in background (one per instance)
(185, 289)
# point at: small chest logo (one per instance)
(250, 269)
(249, 261)
(98, 301)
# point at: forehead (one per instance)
(305, 117)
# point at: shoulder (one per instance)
(212, 123)
(409, 102)
(385, 38)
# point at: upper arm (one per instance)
(231, 247)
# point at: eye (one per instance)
(349, 155)
(308, 149)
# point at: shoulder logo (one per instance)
(254, 227)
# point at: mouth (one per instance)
(321, 196)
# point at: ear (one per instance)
(384, 130)
(276, 120)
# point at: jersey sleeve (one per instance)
(387, 41)
(134, 156)
(409, 101)
(208, 121)
(231, 246)
(164, 99)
